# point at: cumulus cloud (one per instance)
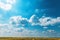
(45, 21)
(5, 6)
(50, 30)
(16, 26)
(7, 30)
(50, 33)
(19, 21)
(8, 5)
(34, 20)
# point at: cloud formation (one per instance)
(16, 26)
(45, 21)
(8, 5)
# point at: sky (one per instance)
(29, 18)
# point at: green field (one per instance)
(19, 38)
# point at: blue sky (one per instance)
(30, 18)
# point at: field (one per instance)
(17, 38)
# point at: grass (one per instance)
(26, 38)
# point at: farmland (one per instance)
(21, 38)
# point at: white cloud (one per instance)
(7, 30)
(18, 21)
(45, 27)
(8, 5)
(50, 33)
(45, 21)
(17, 24)
(34, 20)
(10, 1)
(5, 6)
(12, 29)
(51, 30)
